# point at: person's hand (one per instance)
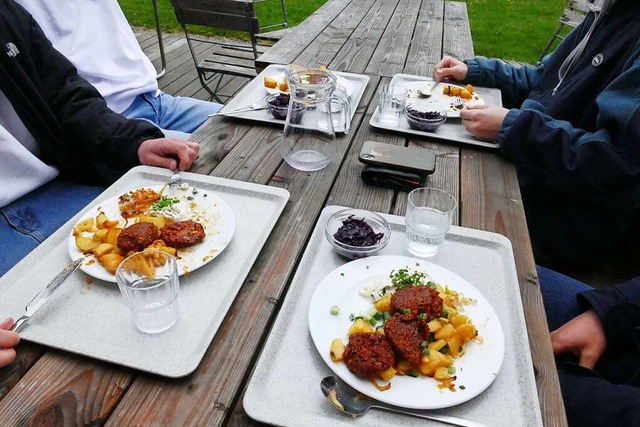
(450, 69)
(8, 340)
(164, 152)
(583, 336)
(483, 121)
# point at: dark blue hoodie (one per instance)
(577, 152)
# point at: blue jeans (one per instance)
(559, 296)
(28, 221)
(176, 116)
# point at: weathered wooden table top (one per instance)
(376, 37)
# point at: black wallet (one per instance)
(397, 179)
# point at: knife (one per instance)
(38, 301)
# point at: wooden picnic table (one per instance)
(375, 37)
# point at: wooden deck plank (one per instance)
(426, 44)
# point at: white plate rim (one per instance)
(324, 327)
(191, 259)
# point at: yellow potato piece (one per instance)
(84, 225)
(86, 244)
(337, 350)
(112, 236)
(111, 262)
(103, 249)
(270, 82)
(100, 219)
(383, 305)
(466, 332)
(447, 331)
(158, 221)
(387, 374)
(360, 325)
(100, 235)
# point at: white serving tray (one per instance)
(285, 387)
(88, 316)
(255, 90)
(452, 130)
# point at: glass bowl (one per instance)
(356, 232)
(278, 106)
(425, 116)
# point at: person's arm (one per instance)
(8, 340)
(574, 160)
(94, 130)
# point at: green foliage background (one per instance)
(509, 29)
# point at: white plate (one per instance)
(438, 96)
(476, 370)
(219, 231)
(347, 86)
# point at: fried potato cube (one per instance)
(158, 221)
(84, 225)
(112, 236)
(457, 320)
(436, 345)
(434, 361)
(455, 345)
(447, 331)
(404, 367)
(86, 244)
(337, 350)
(111, 262)
(360, 325)
(101, 219)
(446, 89)
(111, 223)
(466, 332)
(470, 88)
(270, 82)
(100, 235)
(442, 373)
(434, 325)
(465, 94)
(283, 86)
(455, 90)
(104, 248)
(383, 305)
(160, 245)
(387, 374)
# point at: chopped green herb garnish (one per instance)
(423, 344)
(412, 374)
(451, 370)
(386, 315)
(342, 274)
(431, 284)
(444, 350)
(403, 279)
(164, 202)
(406, 311)
(444, 314)
(422, 316)
(189, 197)
(373, 321)
(426, 351)
(377, 315)
(462, 387)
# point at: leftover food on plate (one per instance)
(184, 222)
(452, 97)
(414, 327)
(446, 341)
(275, 84)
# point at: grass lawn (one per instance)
(510, 29)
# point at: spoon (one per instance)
(426, 92)
(349, 401)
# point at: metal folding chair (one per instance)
(571, 17)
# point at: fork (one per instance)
(457, 103)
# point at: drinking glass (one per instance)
(148, 282)
(391, 101)
(429, 215)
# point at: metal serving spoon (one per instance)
(426, 91)
(349, 401)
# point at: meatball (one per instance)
(138, 236)
(411, 301)
(368, 354)
(406, 337)
(182, 234)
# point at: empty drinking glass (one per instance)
(148, 282)
(429, 215)
(391, 101)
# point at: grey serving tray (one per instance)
(88, 317)
(452, 130)
(285, 387)
(255, 90)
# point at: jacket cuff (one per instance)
(618, 315)
(473, 71)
